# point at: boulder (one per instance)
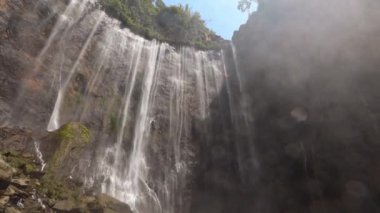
(36, 174)
(11, 210)
(6, 173)
(15, 140)
(4, 200)
(12, 190)
(106, 204)
(66, 206)
(21, 182)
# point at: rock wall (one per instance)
(67, 61)
(310, 71)
(24, 29)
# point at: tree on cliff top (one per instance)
(245, 5)
(154, 20)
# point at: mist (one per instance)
(310, 71)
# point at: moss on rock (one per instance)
(69, 137)
(57, 189)
(74, 132)
(16, 160)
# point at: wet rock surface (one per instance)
(6, 174)
(25, 188)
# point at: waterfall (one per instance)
(166, 76)
(236, 66)
(54, 120)
(141, 100)
(239, 113)
(288, 120)
(39, 155)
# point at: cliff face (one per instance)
(285, 119)
(311, 71)
(67, 61)
(24, 29)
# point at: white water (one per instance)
(234, 55)
(240, 111)
(39, 155)
(54, 119)
(130, 181)
(60, 33)
(138, 168)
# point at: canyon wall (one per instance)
(310, 74)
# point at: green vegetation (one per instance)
(57, 189)
(245, 5)
(17, 161)
(49, 185)
(114, 123)
(69, 137)
(154, 20)
(73, 132)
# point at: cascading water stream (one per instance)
(200, 85)
(236, 64)
(234, 111)
(128, 94)
(65, 21)
(138, 168)
(39, 155)
(132, 184)
(54, 120)
(240, 119)
(69, 17)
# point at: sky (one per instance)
(221, 16)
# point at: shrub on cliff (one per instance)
(155, 20)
